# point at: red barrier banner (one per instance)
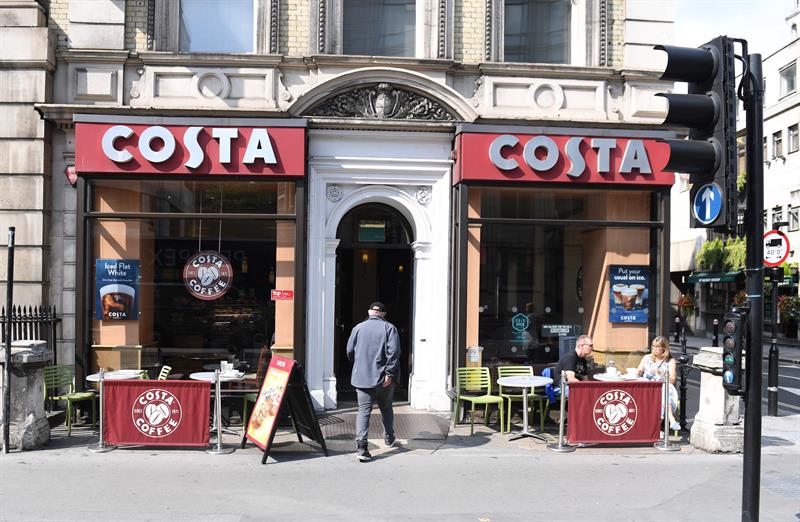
(614, 412)
(264, 417)
(156, 413)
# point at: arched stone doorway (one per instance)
(374, 261)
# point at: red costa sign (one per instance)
(561, 159)
(207, 275)
(183, 149)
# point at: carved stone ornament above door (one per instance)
(382, 101)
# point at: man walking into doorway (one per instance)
(374, 348)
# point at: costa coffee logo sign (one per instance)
(189, 149)
(207, 275)
(561, 159)
(615, 413)
(156, 413)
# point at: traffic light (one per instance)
(733, 337)
(709, 111)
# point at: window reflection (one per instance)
(536, 31)
(215, 26)
(379, 27)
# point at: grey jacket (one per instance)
(374, 348)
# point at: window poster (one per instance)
(629, 293)
(116, 287)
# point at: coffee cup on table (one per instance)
(116, 301)
(612, 370)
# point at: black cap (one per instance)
(377, 306)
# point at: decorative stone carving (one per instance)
(334, 192)
(384, 102)
(423, 194)
(442, 26)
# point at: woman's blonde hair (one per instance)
(662, 341)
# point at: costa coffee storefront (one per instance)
(559, 232)
(190, 240)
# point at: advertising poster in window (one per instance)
(116, 289)
(265, 412)
(629, 293)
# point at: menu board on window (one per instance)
(628, 293)
(116, 289)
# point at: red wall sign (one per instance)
(183, 149)
(614, 412)
(561, 159)
(156, 413)
(282, 295)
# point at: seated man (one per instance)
(574, 362)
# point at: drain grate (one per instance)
(416, 426)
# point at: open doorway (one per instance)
(374, 262)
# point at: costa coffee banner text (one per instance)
(561, 159)
(181, 149)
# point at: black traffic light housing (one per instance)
(709, 111)
(734, 336)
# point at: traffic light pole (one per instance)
(754, 223)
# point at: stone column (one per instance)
(29, 427)
(717, 426)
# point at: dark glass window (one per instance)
(215, 26)
(536, 31)
(379, 27)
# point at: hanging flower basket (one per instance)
(687, 304)
(739, 298)
(789, 306)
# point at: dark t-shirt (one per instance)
(570, 362)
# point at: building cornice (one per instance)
(64, 112)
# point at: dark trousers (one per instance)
(367, 397)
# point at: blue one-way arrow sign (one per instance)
(707, 203)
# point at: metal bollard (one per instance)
(683, 359)
(560, 447)
(677, 328)
(715, 338)
(664, 444)
(101, 446)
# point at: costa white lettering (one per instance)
(259, 145)
(633, 157)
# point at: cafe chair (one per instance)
(246, 400)
(164, 373)
(515, 394)
(551, 391)
(59, 385)
(143, 375)
(476, 381)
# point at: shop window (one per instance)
(794, 139)
(764, 152)
(788, 79)
(777, 145)
(540, 31)
(184, 314)
(212, 26)
(777, 216)
(413, 28)
(378, 27)
(536, 31)
(794, 211)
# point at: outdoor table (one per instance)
(211, 378)
(622, 377)
(115, 375)
(525, 382)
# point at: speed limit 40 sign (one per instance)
(776, 248)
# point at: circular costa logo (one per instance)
(615, 413)
(207, 275)
(156, 413)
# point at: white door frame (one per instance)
(351, 168)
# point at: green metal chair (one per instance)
(247, 399)
(162, 375)
(474, 385)
(515, 394)
(59, 385)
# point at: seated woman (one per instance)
(654, 365)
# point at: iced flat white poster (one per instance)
(116, 289)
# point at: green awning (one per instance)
(714, 277)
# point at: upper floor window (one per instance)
(794, 139)
(213, 26)
(536, 31)
(777, 144)
(788, 79)
(379, 27)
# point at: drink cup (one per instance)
(612, 370)
(617, 291)
(116, 301)
(632, 372)
(639, 293)
(628, 298)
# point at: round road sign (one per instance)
(776, 247)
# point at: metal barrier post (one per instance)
(560, 447)
(664, 444)
(101, 446)
(218, 449)
(715, 338)
(683, 359)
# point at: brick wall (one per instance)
(616, 33)
(136, 24)
(294, 27)
(59, 21)
(469, 33)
